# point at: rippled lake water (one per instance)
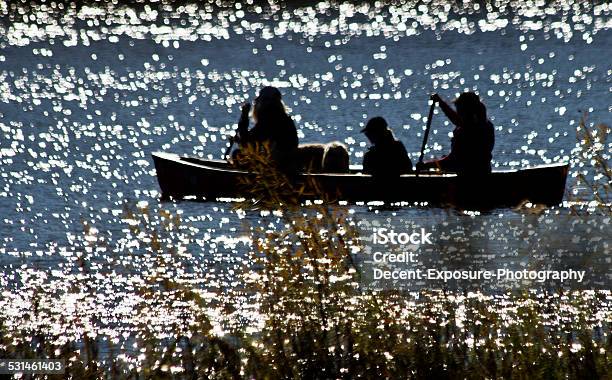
(87, 93)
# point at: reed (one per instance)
(319, 328)
(592, 168)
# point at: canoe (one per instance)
(200, 179)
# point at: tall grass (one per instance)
(320, 324)
(317, 322)
(592, 168)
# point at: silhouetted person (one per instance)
(273, 127)
(387, 157)
(473, 137)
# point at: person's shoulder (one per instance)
(458, 133)
(402, 152)
(489, 127)
(371, 153)
(289, 120)
(399, 145)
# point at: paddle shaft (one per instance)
(229, 148)
(244, 115)
(426, 136)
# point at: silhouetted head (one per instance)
(470, 109)
(377, 130)
(269, 92)
(269, 105)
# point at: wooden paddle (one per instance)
(229, 148)
(426, 136)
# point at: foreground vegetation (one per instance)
(315, 319)
(592, 169)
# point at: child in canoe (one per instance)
(387, 157)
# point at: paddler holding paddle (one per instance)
(473, 137)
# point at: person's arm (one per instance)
(450, 113)
(294, 139)
(405, 163)
(426, 165)
(451, 161)
(367, 162)
(243, 123)
(446, 163)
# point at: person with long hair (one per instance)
(473, 137)
(273, 128)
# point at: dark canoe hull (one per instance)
(181, 177)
